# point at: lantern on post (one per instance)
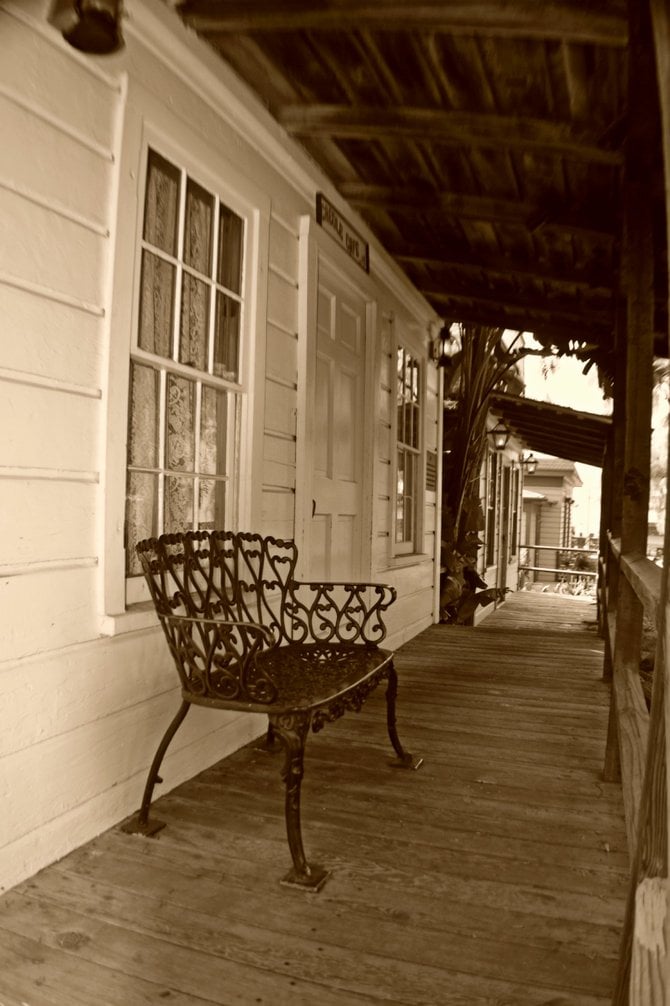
(499, 436)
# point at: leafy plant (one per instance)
(478, 362)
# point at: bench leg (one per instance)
(139, 823)
(267, 744)
(404, 759)
(292, 731)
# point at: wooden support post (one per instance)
(643, 978)
(604, 567)
(618, 434)
(648, 983)
(637, 278)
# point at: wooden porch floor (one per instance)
(494, 876)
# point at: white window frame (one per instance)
(136, 587)
(148, 123)
(412, 545)
(492, 512)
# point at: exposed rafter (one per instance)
(462, 128)
(525, 309)
(362, 195)
(554, 429)
(480, 140)
(465, 263)
(555, 331)
(560, 19)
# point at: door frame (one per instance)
(316, 245)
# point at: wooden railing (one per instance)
(629, 590)
(561, 572)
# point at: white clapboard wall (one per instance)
(82, 711)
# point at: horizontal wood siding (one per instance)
(56, 175)
(44, 337)
(281, 389)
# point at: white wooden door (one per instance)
(338, 431)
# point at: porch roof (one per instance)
(481, 143)
(555, 429)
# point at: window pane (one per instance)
(156, 305)
(400, 500)
(194, 322)
(161, 204)
(180, 437)
(415, 381)
(410, 430)
(198, 228)
(226, 338)
(230, 249)
(211, 504)
(143, 419)
(410, 463)
(415, 427)
(400, 433)
(141, 511)
(213, 431)
(400, 365)
(178, 504)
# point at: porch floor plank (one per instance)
(494, 876)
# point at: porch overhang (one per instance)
(555, 429)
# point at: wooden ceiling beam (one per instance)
(539, 307)
(505, 211)
(553, 325)
(581, 280)
(559, 19)
(456, 127)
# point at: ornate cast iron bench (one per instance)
(244, 634)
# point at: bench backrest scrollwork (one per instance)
(224, 596)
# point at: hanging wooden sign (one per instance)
(346, 236)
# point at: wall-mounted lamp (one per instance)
(444, 347)
(499, 436)
(530, 463)
(92, 26)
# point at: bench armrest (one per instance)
(216, 657)
(338, 611)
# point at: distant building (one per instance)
(546, 516)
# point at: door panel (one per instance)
(339, 423)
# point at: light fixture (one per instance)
(91, 26)
(444, 346)
(499, 435)
(530, 462)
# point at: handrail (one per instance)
(563, 548)
(636, 742)
(561, 570)
(642, 573)
(638, 592)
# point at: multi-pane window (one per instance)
(185, 367)
(408, 447)
(514, 548)
(492, 510)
